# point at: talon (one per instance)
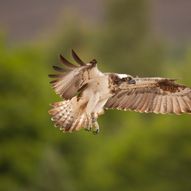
(92, 124)
(96, 131)
(96, 128)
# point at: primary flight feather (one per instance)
(87, 93)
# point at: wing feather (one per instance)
(145, 106)
(158, 105)
(187, 101)
(58, 69)
(141, 104)
(66, 62)
(176, 108)
(162, 109)
(121, 102)
(77, 59)
(151, 103)
(157, 95)
(69, 82)
(169, 108)
(137, 99)
(181, 104)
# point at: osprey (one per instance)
(87, 93)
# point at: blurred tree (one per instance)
(143, 158)
(133, 152)
(127, 44)
(22, 113)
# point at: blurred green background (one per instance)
(133, 151)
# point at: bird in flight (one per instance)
(87, 93)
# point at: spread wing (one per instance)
(157, 95)
(73, 78)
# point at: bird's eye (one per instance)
(124, 79)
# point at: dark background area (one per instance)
(133, 151)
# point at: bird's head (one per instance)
(126, 78)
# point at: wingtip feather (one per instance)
(66, 62)
(77, 58)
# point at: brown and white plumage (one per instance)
(87, 92)
(157, 95)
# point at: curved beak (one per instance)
(132, 81)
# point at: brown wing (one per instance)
(157, 95)
(71, 79)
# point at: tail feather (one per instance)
(78, 123)
(68, 115)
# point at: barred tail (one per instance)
(69, 115)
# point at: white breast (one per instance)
(97, 93)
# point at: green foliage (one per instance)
(132, 152)
(127, 42)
